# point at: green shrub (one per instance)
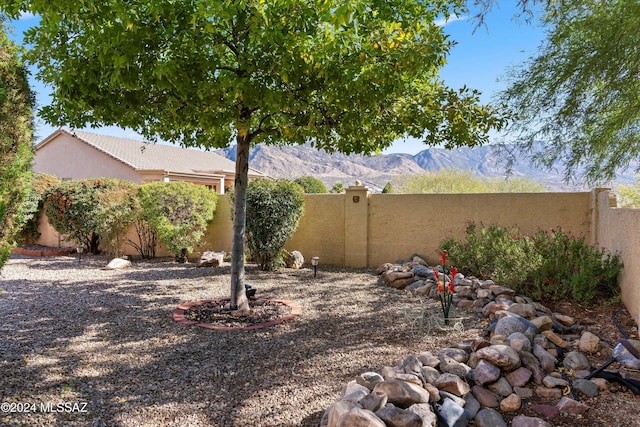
(178, 212)
(547, 265)
(273, 211)
(34, 206)
(16, 151)
(337, 188)
(117, 208)
(388, 188)
(77, 209)
(457, 181)
(311, 185)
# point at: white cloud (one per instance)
(452, 18)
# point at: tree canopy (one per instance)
(345, 76)
(580, 94)
(16, 132)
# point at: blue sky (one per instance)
(478, 61)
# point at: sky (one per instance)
(478, 60)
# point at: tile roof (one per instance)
(141, 155)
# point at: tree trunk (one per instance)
(239, 299)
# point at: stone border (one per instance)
(178, 315)
(45, 251)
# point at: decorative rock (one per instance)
(586, 387)
(472, 405)
(358, 417)
(422, 271)
(384, 267)
(511, 403)
(118, 264)
(500, 355)
(428, 359)
(402, 282)
(355, 396)
(576, 361)
(523, 310)
(548, 411)
(457, 400)
(294, 260)
(453, 384)
(571, 407)
(501, 290)
(523, 421)
(373, 401)
(519, 342)
(485, 397)
(401, 393)
(389, 372)
(485, 372)
(547, 361)
(523, 392)
(479, 343)
(457, 354)
(449, 365)
(423, 410)
(424, 290)
(520, 377)
(213, 259)
(543, 323)
(369, 379)
(601, 383)
(354, 386)
(415, 285)
(552, 382)
(412, 365)
(410, 378)
(430, 374)
(549, 393)
(434, 393)
(501, 387)
(508, 325)
(490, 309)
(338, 410)
(555, 339)
(589, 343)
(396, 417)
(489, 418)
(453, 415)
(565, 320)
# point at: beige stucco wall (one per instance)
(403, 224)
(321, 231)
(54, 158)
(617, 231)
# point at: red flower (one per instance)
(440, 287)
(443, 258)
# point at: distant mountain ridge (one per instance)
(376, 171)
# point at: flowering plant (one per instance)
(446, 288)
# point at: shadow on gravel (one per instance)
(107, 338)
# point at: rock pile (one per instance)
(529, 351)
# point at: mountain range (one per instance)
(376, 171)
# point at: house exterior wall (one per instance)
(57, 157)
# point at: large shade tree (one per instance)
(347, 76)
(577, 100)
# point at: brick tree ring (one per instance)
(179, 314)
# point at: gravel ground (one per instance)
(81, 346)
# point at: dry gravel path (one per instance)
(73, 333)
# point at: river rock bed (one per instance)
(528, 353)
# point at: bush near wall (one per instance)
(273, 211)
(547, 265)
(82, 209)
(34, 206)
(179, 212)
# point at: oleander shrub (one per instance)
(274, 208)
(178, 212)
(547, 265)
(82, 209)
